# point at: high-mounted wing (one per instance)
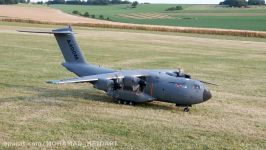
(110, 76)
(92, 78)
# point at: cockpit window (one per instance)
(179, 85)
(196, 86)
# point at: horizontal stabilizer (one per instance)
(46, 32)
(57, 31)
(28, 31)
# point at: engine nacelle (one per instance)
(130, 81)
(104, 84)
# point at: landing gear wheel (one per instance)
(186, 109)
(125, 102)
(119, 101)
(131, 103)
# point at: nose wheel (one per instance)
(186, 109)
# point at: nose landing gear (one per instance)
(186, 109)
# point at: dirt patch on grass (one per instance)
(43, 14)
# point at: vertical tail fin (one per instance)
(74, 58)
(69, 46)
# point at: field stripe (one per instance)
(244, 33)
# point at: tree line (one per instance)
(12, 1)
(242, 3)
(89, 2)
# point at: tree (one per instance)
(115, 1)
(98, 2)
(86, 14)
(40, 2)
(76, 12)
(125, 2)
(134, 4)
(88, 2)
(12, 1)
(101, 17)
(74, 2)
(235, 3)
(175, 8)
(56, 2)
(256, 2)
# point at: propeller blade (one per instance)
(208, 83)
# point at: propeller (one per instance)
(209, 83)
(117, 83)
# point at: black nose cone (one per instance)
(206, 95)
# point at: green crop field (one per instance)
(206, 16)
(32, 111)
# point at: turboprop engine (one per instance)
(129, 89)
(131, 83)
(104, 84)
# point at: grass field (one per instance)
(206, 16)
(33, 111)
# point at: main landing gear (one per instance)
(125, 102)
(186, 109)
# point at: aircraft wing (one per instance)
(92, 78)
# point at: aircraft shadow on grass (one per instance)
(87, 94)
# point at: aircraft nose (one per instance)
(206, 95)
